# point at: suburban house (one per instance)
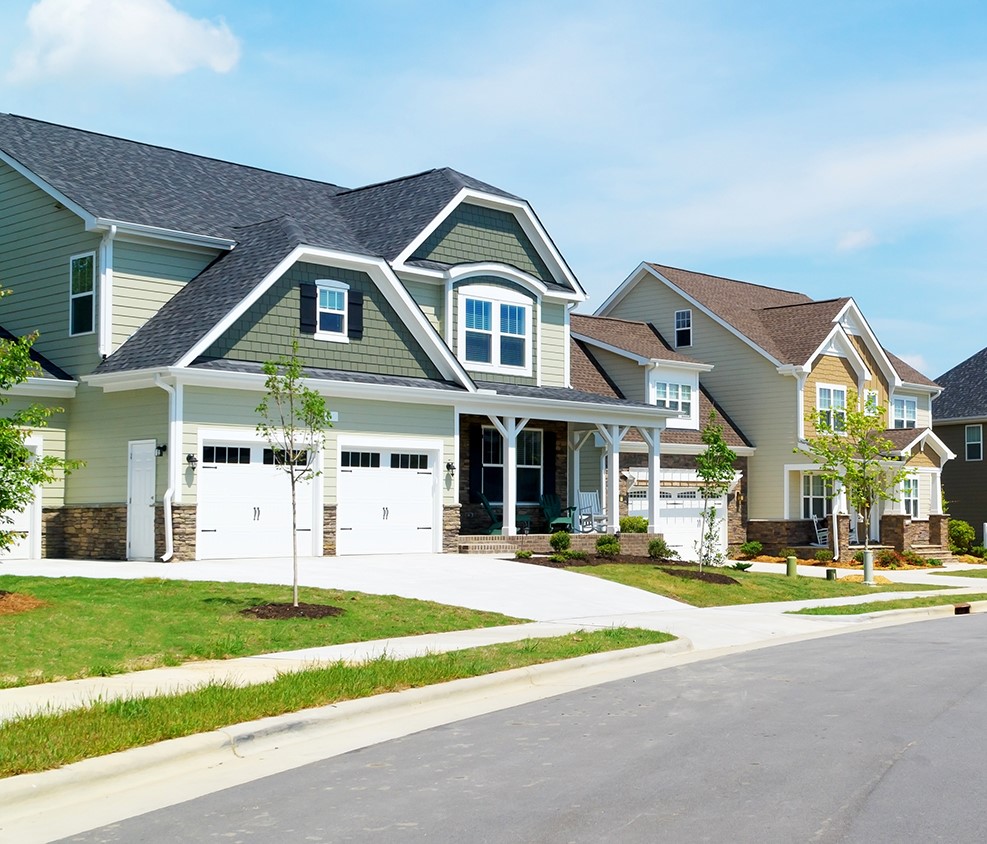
(773, 360)
(959, 417)
(432, 310)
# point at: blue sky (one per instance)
(836, 149)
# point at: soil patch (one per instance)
(672, 567)
(281, 611)
(15, 602)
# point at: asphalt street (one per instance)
(873, 737)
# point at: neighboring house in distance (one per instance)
(432, 310)
(777, 359)
(959, 418)
(627, 359)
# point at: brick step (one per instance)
(936, 552)
(488, 546)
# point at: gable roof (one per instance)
(964, 390)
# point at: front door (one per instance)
(140, 500)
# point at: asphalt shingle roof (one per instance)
(964, 390)
(48, 369)
(345, 376)
(638, 338)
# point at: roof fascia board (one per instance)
(692, 366)
(928, 436)
(838, 333)
(622, 290)
(54, 193)
(386, 281)
(958, 420)
(158, 233)
(871, 339)
(683, 448)
(461, 272)
(44, 387)
(523, 214)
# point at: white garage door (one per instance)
(21, 523)
(680, 519)
(244, 505)
(387, 502)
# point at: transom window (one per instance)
(225, 454)
(82, 294)
(529, 466)
(360, 459)
(683, 328)
(831, 404)
(409, 461)
(279, 457)
(674, 397)
(331, 311)
(909, 496)
(496, 334)
(817, 497)
(974, 442)
(904, 413)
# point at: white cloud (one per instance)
(855, 240)
(129, 38)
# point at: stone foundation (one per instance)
(329, 530)
(630, 543)
(182, 532)
(92, 533)
(775, 534)
(450, 528)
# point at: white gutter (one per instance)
(173, 452)
(105, 342)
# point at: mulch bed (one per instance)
(14, 602)
(672, 567)
(282, 611)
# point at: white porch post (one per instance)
(652, 436)
(612, 435)
(575, 447)
(935, 504)
(509, 427)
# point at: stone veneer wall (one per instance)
(182, 532)
(52, 534)
(630, 543)
(450, 528)
(93, 533)
(939, 530)
(775, 534)
(329, 530)
(893, 530)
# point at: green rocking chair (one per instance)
(557, 516)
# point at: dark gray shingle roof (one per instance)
(48, 369)
(964, 390)
(332, 375)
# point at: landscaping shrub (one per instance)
(607, 547)
(560, 540)
(961, 536)
(522, 554)
(824, 555)
(978, 551)
(561, 557)
(751, 548)
(633, 524)
(741, 566)
(858, 557)
(658, 550)
(576, 555)
(887, 558)
(788, 552)
(913, 559)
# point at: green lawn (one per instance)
(970, 573)
(92, 627)
(751, 588)
(41, 742)
(881, 606)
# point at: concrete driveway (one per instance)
(466, 580)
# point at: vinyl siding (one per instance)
(37, 239)
(877, 381)
(144, 278)
(472, 233)
(431, 299)
(100, 426)
(553, 344)
(760, 402)
(830, 370)
(52, 439)
(266, 330)
(923, 408)
(626, 374)
(964, 481)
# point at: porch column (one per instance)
(612, 435)
(509, 427)
(652, 436)
(577, 439)
(935, 504)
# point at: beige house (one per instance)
(775, 359)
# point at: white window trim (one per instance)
(496, 296)
(91, 294)
(675, 329)
(828, 500)
(332, 336)
(503, 450)
(966, 443)
(673, 404)
(871, 406)
(911, 480)
(832, 388)
(906, 400)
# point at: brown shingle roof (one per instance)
(796, 331)
(909, 373)
(638, 338)
(587, 374)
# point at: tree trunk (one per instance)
(294, 544)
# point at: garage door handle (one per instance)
(208, 530)
(425, 528)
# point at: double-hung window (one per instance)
(871, 406)
(817, 497)
(904, 413)
(974, 437)
(495, 330)
(674, 397)
(683, 328)
(529, 466)
(909, 496)
(331, 309)
(831, 405)
(82, 293)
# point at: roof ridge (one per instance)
(803, 304)
(348, 191)
(612, 319)
(725, 278)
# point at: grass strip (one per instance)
(50, 740)
(881, 606)
(86, 627)
(750, 588)
(970, 573)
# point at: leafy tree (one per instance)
(20, 469)
(715, 467)
(851, 450)
(294, 421)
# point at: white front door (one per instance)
(387, 502)
(140, 499)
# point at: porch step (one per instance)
(935, 552)
(485, 545)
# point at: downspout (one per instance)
(169, 495)
(105, 342)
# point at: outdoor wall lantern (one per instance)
(192, 461)
(451, 468)
(159, 450)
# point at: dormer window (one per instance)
(495, 330)
(82, 294)
(683, 329)
(331, 311)
(904, 413)
(331, 308)
(674, 397)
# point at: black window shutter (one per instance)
(476, 461)
(354, 315)
(548, 463)
(308, 312)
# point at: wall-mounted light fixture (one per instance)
(159, 450)
(192, 461)
(451, 468)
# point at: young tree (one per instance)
(21, 471)
(294, 421)
(851, 450)
(715, 467)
